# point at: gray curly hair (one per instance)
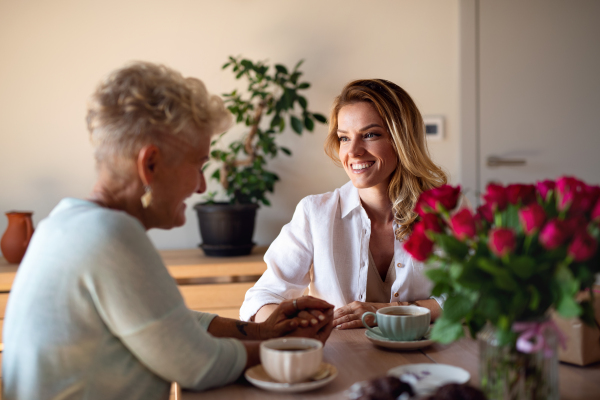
(143, 102)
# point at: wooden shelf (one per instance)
(189, 266)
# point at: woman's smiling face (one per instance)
(366, 150)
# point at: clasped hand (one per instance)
(308, 317)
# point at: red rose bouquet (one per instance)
(527, 249)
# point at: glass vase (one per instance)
(509, 374)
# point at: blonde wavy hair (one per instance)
(415, 172)
(144, 103)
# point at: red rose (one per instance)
(502, 241)
(569, 190)
(485, 212)
(463, 224)
(532, 218)
(518, 193)
(431, 222)
(575, 224)
(596, 212)
(418, 244)
(584, 200)
(544, 188)
(445, 196)
(582, 247)
(423, 206)
(553, 234)
(496, 197)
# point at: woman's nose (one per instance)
(356, 148)
(202, 184)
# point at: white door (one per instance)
(537, 90)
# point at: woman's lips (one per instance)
(359, 168)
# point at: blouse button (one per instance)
(399, 265)
(360, 297)
(395, 294)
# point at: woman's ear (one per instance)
(148, 158)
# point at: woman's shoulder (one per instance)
(87, 217)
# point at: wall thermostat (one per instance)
(434, 127)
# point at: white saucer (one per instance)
(427, 378)
(382, 341)
(259, 378)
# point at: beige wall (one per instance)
(52, 54)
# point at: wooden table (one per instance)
(357, 359)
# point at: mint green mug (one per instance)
(402, 323)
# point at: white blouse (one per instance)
(330, 232)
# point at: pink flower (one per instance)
(496, 197)
(502, 241)
(463, 224)
(583, 247)
(553, 234)
(431, 222)
(596, 212)
(544, 188)
(518, 193)
(532, 218)
(418, 244)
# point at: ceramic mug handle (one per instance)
(365, 324)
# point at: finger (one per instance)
(351, 325)
(307, 317)
(340, 312)
(318, 315)
(344, 319)
(285, 326)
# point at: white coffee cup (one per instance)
(291, 360)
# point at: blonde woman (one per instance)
(346, 245)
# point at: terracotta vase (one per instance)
(17, 235)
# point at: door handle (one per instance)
(494, 161)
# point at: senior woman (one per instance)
(93, 312)
(346, 245)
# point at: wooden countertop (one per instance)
(357, 359)
(186, 266)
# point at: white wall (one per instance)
(52, 54)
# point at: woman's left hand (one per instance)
(349, 316)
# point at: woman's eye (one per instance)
(370, 135)
(343, 139)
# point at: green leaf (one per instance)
(320, 117)
(446, 331)
(308, 123)
(304, 85)
(452, 246)
(522, 266)
(296, 124)
(286, 150)
(281, 69)
(437, 275)
(457, 307)
(302, 101)
(298, 65)
(568, 307)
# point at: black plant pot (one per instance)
(226, 229)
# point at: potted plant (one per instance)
(527, 250)
(273, 100)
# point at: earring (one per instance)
(146, 197)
